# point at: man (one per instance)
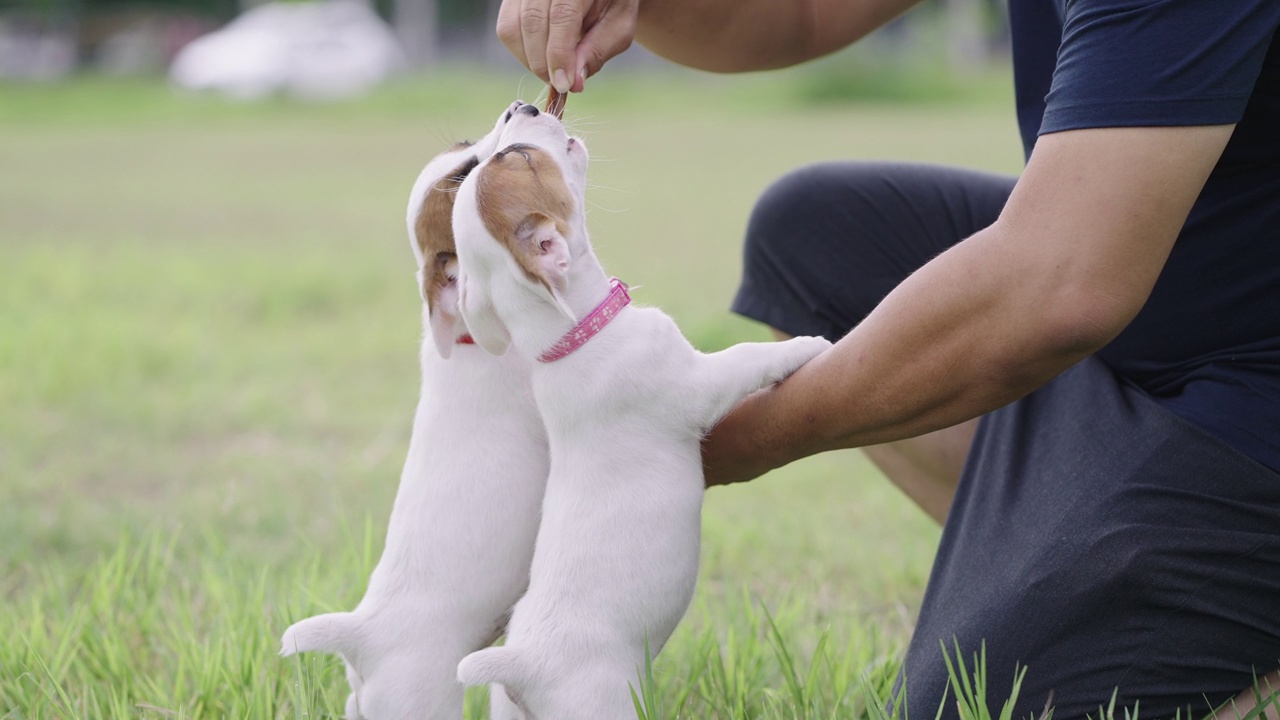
(1112, 315)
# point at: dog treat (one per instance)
(555, 102)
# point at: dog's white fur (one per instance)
(461, 533)
(617, 550)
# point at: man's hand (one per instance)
(1067, 266)
(564, 42)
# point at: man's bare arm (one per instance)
(1067, 266)
(744, 35)
(566, 41)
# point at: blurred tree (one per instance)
(966, 33)
(433, 30)
(417, 25)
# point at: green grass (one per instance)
(208, 330)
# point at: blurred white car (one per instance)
(324, 50)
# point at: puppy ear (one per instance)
(495, 665)
(546, 255)
(332, 633)
(439, 285)
(486, 328)
(443, 319)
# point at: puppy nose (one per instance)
(530, 110)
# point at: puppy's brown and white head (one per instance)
(519, 224)
(430, 223)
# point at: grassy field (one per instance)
(208, 330)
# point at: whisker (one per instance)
(579, 129)
(587, 120)
(441, 135)
(540, 100)
(602, 208)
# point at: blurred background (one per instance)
(209, 323)
(52, 39)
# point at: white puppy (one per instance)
(461, 534)
(625, 400)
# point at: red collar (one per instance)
(590, 325)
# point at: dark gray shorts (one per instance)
(1096, 538)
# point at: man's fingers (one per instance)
(508, 28)
(564, 42)
(564, 20)
(533, 31)
(612, 34)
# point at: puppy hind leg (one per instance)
(726, 377)
(501, 707)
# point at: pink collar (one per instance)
(590, 325)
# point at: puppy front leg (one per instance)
(726, 377)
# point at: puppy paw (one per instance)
(493, 666)
(331, 632)
(738, 371)
(796, 352)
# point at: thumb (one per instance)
(565, 21)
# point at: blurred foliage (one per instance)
(452, 12)
(877, 80)
(187, 284)
(844, 79)
(913, 59)
(209, 327)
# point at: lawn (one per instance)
(208, 337)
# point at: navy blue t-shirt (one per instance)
(1207, 343)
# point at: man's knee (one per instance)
(812, 237)
(814, 205)
(791, 202)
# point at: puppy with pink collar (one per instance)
(462, 529)
(625, 400)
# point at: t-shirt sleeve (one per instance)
(1126, 63)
